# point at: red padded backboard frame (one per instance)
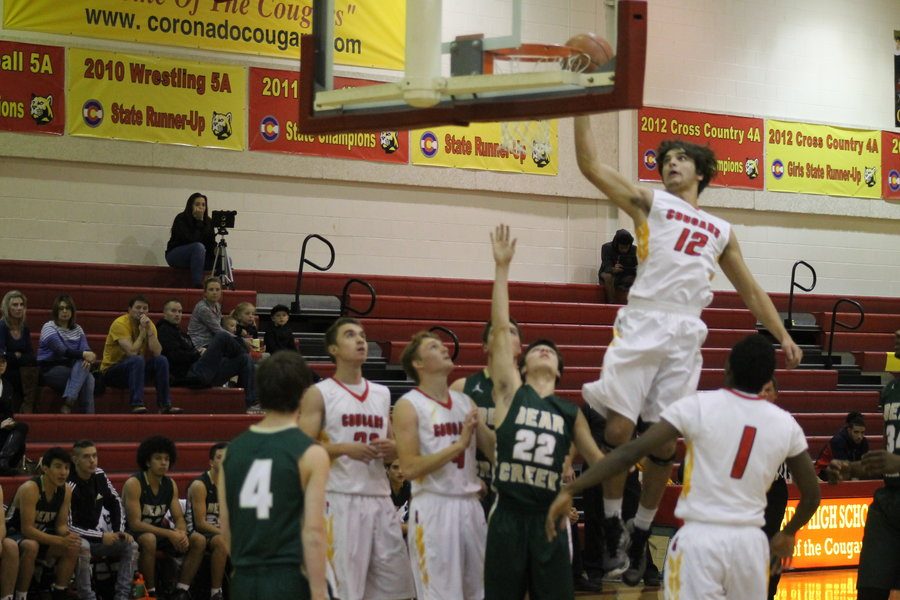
(627, 92)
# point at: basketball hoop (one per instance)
(532, 58)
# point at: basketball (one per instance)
(594, 47)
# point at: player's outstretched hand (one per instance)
(880, 462)
(792, 352)
(558, 514)
(838, 471)
(781, 549)
(504, 247)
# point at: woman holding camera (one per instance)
(193, 241)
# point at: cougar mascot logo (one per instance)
(389, 142)
(751, 168)
(221, 125)
(540, 153)
(41, 109)
(869, 175)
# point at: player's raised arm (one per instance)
(633, 199)
(757, 300)
(617, 461)
(501, 354)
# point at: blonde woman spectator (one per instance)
(15, 344)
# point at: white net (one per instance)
(517, 136)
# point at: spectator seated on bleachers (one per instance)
(224, 357)
(12, 432)
(92, 494)
(132, 353)
(148, 496)
(279, 336)
(206, 318)
(192, 242)
(38, 521)
(15, 344)
(618, 264)
(848, 444)
(65, 359)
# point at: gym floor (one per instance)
(806, 585)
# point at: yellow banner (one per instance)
(478, 147)
(368, 33)
(151, 99)
(822, 159)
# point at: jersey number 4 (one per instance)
(691, 247)
(256, 492)
(743, 454)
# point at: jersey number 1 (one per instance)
(256, 492)
(743, 453)
(692, 247)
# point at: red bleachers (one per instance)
(571, 314)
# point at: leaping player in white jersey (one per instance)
(654, 358)
(436, 431)
(735, 441)
(351, 416)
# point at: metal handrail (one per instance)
(345, 298)
(453, 337)
(789, 321)
(295, 305)
(834, 322)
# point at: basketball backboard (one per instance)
(424, 96)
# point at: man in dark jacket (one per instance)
(224, 358)
(618, 264)
(92, 493)
(848, 444)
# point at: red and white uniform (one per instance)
(365, 539)
(447, 531)
(735, 443)
(654, 358)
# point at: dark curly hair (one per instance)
(703, 157)
(156, 444)
(751, 363)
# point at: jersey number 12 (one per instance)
(256, 492)
(692, 247)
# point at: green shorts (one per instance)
(269, 583)
(519, 558)
(879, 561)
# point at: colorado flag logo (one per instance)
(92, 113)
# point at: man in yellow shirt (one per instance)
(132, 354)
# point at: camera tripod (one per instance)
(222, 263)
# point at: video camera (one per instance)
(223, 220)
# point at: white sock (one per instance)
(612, 507)
(214, 591)
(643, 519)
(21, 595)
(182, 586)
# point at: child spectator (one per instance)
(849, 444)
(280, 336)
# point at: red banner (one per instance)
(32, 89)
(736, 141)
(273, 125)
(890, 165)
